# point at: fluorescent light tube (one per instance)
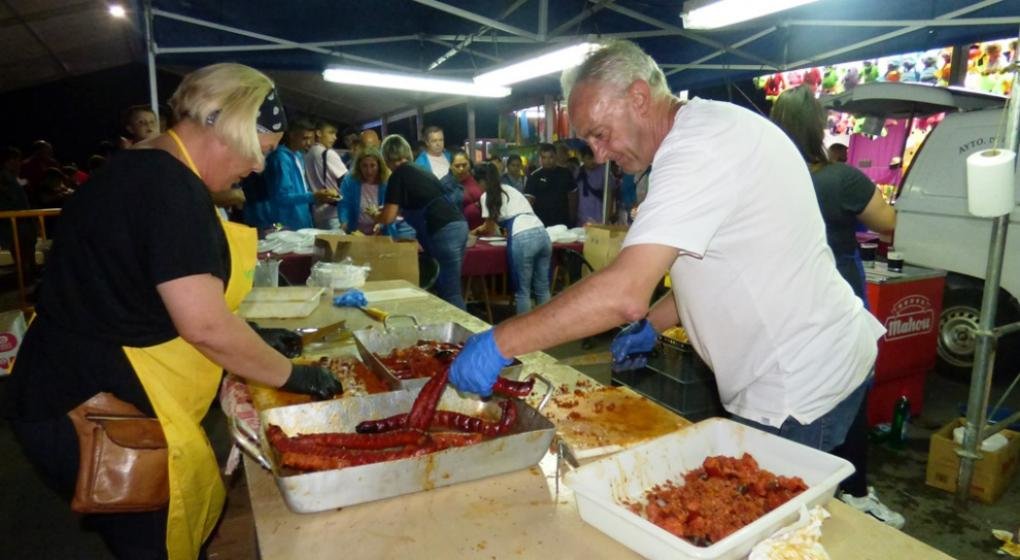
(710, 14)
(549, 63)
(411, 82)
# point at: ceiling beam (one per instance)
(464, 42)
(276, 40)
(59, 62)
(693, 66)
(586, 12)
(674, 68)
(688, 34)
(282, 47)
(543, 19)
(464, 49)
(43, 15)
(963, 22)
(890, 35)
(477, 18)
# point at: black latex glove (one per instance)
(316, 381)
(284, 341)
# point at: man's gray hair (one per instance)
(394, 147)
(618, 63)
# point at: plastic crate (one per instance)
(677, 379)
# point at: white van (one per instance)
(933, 227)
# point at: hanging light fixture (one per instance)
(711, 14)
(411, 82)
(541, 65)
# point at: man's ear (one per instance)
(639, 95)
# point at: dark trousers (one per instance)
(52, 447)
(855, 449)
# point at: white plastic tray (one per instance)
(282, 303)
(603, 486)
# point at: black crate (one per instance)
(677, 379)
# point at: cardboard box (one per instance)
(992, 473)
(602, 243)
(389, 259)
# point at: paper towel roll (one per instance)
(991, 183)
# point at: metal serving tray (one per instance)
(375, 342)
(523, 447)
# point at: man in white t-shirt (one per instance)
(732, 215)
(323, 169)
(435, 158)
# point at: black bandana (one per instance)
(271, 116)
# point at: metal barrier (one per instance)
(13, 216)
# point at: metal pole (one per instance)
(984, 351)
(471, 131)
(550, 117)
(150, 49)
(607, 193)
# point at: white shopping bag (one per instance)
(12, 332)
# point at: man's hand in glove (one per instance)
(284, 341)
(631, 347)
(477, 366)
(316, 381)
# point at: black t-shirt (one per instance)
(141, 220)
(843, 192)
(412, 188)
(550, 188)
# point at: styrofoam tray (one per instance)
(601, 487)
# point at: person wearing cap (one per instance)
(753, 281)
(140, 305)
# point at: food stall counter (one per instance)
(522, 514)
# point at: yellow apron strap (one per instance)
(181, 383)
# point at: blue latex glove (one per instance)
(351, 298)
(631, 347)
(477, 366)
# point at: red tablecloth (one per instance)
(484, 259)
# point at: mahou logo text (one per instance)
(910, 316)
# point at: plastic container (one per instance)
(677, 379)
(601, 487)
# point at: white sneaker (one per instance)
(870, 504)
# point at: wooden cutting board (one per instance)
(596, 421)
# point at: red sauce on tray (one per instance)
(424, 359)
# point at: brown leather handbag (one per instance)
(123, 458)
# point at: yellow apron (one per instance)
(181, 383)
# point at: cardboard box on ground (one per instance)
(992, 473)
(389, 259)
(602, 243)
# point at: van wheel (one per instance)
(961, 316)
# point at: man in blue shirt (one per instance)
(290, 197)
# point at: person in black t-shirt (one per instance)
(137, 302)
(550, 187)
(418, 196)
(845, 195)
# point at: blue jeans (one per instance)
(531, 252)
(826, 432)
(447, 246)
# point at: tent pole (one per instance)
(150, 50)
(471, 139)
(550, 118)
(984, 352)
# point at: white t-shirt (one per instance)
(439, 164)
(324, 215)
(318, 180)
(755, 282)
(514, 204)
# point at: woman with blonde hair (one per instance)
(363, 192)
(136, 312)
